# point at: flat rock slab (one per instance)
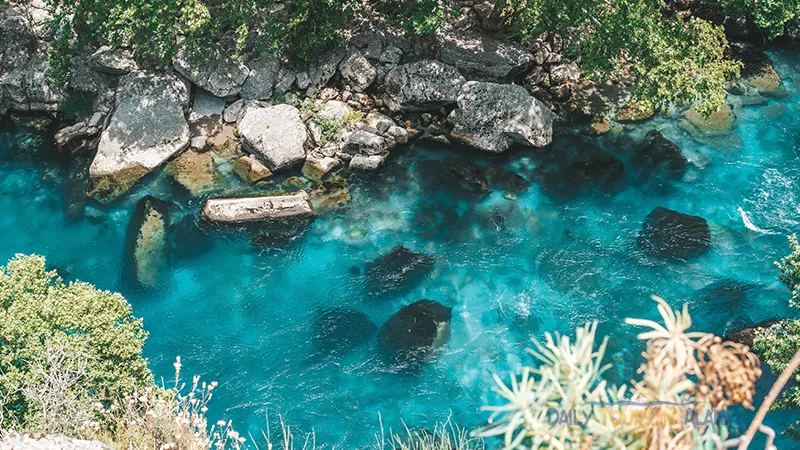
(148, 127)
(276, 133)
(244, 210)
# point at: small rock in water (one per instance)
(660, 156)
(341, 330)
(672, 235)
(401, 268)
(412, 334)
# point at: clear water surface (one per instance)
(510, 268)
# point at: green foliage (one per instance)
(777, 345)
(779, 17)
(675, 62)
(42, 316)
(417, 16)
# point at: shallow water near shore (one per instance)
(510, 266)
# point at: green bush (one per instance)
(88, 337)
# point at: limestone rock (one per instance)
(365, 143)
(315, 168)
(367, 163)
(262, 76)
(423, 85)
(257, 209)
(196, 172)
(218, 72)
(147, 243)
(357, 71)
(492, 117)
(147, 128)
(251, 170)
(276, 133)
(113, 61)
(480, 57)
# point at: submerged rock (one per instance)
(244, 210)
(196, 172)
(147, 244)
(280, 233)
(601, 173)
(423, 85)
(412, 334)
(148, 127)
(340, 330)
(660, 156)
(493, 117)
(399, 269)
(276, 133)
(672, 235)
(718, 123)
(250, 169)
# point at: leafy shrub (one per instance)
(87, 334)
(417, 16)
(779, 17)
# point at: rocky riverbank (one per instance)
(267, 125)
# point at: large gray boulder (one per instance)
(24, 82)
(357, 70)
(258, 209)
(275, 133)
(147, 128)
(263, 74)
(492, 117)
(422, 85)
(479, 57)
(217, 72)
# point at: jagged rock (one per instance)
(334, 110)
(196, 172)
(234, 112)
(217, 71)
(660, 156)
(399, 134)
(412, 334)
(43, 441)
(672, 235)
(70, 136)
(492, 117)
(322, 72)
(286, 77)
(365, 143)
(379, 122)
(357, 71)
(490, 16)
(263, 74)
(147, 245)
(482, 58)
(340, 330)
(718, 123)
(276, 133)
(565, 74)
(147, 128)
(251, 170)
(25, 85)
(423, 85)
(315, 168)
(244, 210)
(113, 61)
(399, 269)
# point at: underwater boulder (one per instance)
(669, 234)
(147, 243)
(600, 173)
(415, 331)
(660, 156)
(401, 268)
(340, 330)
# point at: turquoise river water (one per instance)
(511, 267)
